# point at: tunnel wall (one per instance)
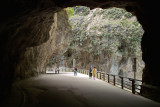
(30, 35)
(37, 57)
(19, 20)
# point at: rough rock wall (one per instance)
(36, 58)
(19, 32)
(28, 25)
(113, 64)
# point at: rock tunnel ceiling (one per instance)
(27, 26)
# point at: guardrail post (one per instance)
(114, 82)
(121, 82)
(100, 75)
(133, 86)
(108, 78)
(141, 90)
(104, 76)
(97, 74)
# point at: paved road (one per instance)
(66, 90)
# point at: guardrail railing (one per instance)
(129, 84)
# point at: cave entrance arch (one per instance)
(12, 33)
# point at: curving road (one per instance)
(66, 90)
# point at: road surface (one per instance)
(67, 90)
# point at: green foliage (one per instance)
(81, 10)
(116, 13)
(118, 31)
(70, 11)
(128, 15)
(94, 41)
(90, 50)
(71, 45)
(94, 27)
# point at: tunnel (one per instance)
(33, 31)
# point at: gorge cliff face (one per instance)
(108, 39)
(36, 58)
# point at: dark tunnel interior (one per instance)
(26, 24)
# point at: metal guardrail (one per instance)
(130, 84)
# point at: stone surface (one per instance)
(36, 58)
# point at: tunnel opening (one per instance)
(19, 34)
(106, 38)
